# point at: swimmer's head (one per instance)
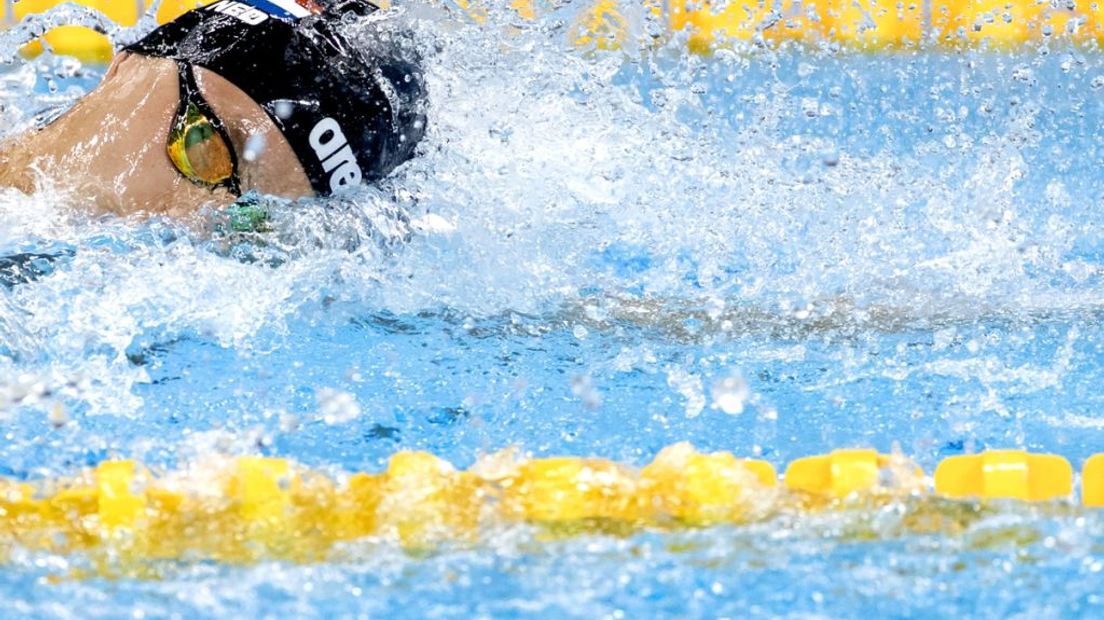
(349, 99)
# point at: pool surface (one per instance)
(774, 252)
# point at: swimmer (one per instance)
(267, 96)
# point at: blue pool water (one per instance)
(592, 256)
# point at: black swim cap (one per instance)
(350, 112)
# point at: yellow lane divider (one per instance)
(250, 508)
(82, 42)
(614, 24)
(1010, 474)
(1092, 481)
(845, 472)
(79, 41)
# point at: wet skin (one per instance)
(109, 152)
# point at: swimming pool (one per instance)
(771, 252)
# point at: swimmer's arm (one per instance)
(6, 165)
(15, 165)
(17, 154)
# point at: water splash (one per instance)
(887, 248)
(701, 195)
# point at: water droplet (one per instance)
(58, 415)
(336, 406)
(690, 387)
(582, 386)
(283, 109)
(1024, 74)
(254, 146)
(730, 394)
(289, 422)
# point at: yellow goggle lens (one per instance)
(198, 150)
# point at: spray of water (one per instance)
(643, 185)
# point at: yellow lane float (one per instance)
(82, 42)
(1007, 474)
(608, 24)
(601, 26)
(848, 472)
(246, 509)
(1092, 481)
(85, 43)
(570, 489)
(688, 487)
(424, 500)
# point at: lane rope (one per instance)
(615, 24)
(249, 508)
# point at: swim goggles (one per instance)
(198, 144)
